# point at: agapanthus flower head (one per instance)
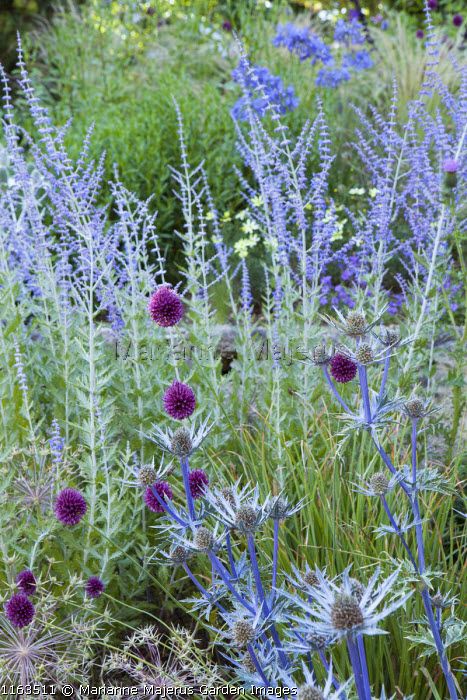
(19, 610)
(303, 43)
(179, 400)
(349, 32)
(243, 632)
(163, 490)
(357, 60)
(165, 307)
(343, 369)
(419, 33)
(70, 507)
(457, 20)
(199, 481)
(26, 582)
(94, 587)
(332, 77)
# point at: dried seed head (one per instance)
(364, 354)
(355, 324)
(317, 641)
(310, 578)
(320, 355)
(181, 443)
(357, 589)
(245, 518)
(379, 483)
(179, 554)
(243, 632)
(309, 692)
(415, 408)
(147, 476)
(204, 539)
(346, 612)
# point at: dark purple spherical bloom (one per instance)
(94, 587)
(450, 165)
(419, 34)
(198, 480)
(343, 369)
(433, 4)
(163, 491)
(457, 20)
(70, 507)
(179, 400)
(26, 582)
(227, 26)
(19, 610)
(165, 307)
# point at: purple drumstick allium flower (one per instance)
(94, 587)
(19, 610)
(457, 20)
(70, 507)
(227, 26)
(163, 490)
(198, 482)
(179, 400)
(26, 582)
(433, 4)
(419, 33)
(343, 369)
(165, 307)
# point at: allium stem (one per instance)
(335, 392)
(186, 482)
(398, 532)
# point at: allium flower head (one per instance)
(26, 582)
(433, 4)
(450, 165)
(94, 587)
(165, 307)
(163, 491)
(457, 20)
(70, 507)
(198, 480)
(419, 33)
(343, 369)
(179, 400)
(19, 610)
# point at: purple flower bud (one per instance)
(94, 587)
(19, 610)
(419, 34)
(457, 20)
(227, 26)
(179, 400)
(165, 307)
(70, 507)
(198, 480)
(343, 369)
(163, 491)
(433, 4)
(450, 165)
(26, 582)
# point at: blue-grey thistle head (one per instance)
(279, 509)
(310, 578)
(179, 554)
(309, 692)
(147, 476)
(357, 589)
(181, 443)
(248, 664)
(243, 632)
(246, 518)
(438, 600)
(204, 539)
(346, 612)
(391, 337)
(364, 354)
(414, 408)
(355, 324)
(379, 483)
(316, 641)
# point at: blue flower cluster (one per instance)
(349, 33)
(358, 60)
(262, 91)
(303, 43)
(332, 77)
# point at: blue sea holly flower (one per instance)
(310, 689)
(181, 442)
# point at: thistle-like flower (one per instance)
(165, 307)
(416, 409)
(181, 442)
(310, 689)
(94, 587)
(354, 324)
(281, 509)
(339, 613)
(70, 507)
(241, 511)
(321, 355)
(379, 484)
